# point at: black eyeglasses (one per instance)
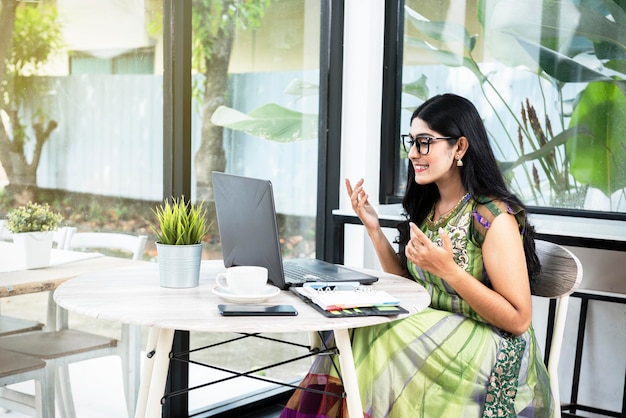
(422, 142)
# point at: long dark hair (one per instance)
(454, 116)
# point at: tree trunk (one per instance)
(211, 157)
(21, 173)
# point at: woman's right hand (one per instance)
(361, 206)
(367, 214)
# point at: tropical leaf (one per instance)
(617, 65)
(595, 27)
(435, 42)
(560, 66)
(598, 160)
(547, 148)
(442, 32)
(417, 88)
(271, 122)
(603, 21)
(302, 88)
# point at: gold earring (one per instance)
(459, 162)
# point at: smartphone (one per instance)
(257, 310)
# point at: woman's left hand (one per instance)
(428, 255)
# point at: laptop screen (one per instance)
(246, 219)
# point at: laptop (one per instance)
(246, 218)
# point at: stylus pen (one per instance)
(332, 285)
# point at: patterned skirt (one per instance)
(433, 364)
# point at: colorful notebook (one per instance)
(390, 309)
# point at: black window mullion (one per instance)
(177, 157)
(177, 98)
(391, 99)
(329, 125)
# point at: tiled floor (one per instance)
(95, 387)
(97, 390)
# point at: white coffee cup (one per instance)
(250, 280)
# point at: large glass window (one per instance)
(97, 91)
(81, 111)
(256, 115)
(548, 79)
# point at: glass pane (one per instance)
(547, 77)
(270, 79)
(81, 112)
(84, 117)
(99, 92)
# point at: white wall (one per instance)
(362, 94)
(361, 120)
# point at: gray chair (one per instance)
(561, 274)
(10, 325)
(64, 346)
(17, 368)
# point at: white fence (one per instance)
(110, 139)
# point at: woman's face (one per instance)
(439, 163)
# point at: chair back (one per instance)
(561, 274)
(58, 240)
(61, 235)
(561, 271)
(133, 244)
(5, 234)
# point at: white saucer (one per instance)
(268, 292)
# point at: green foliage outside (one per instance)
(557, 148)
(216, 20)
(35, 38)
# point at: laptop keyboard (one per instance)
(295, 273)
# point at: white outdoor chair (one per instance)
(58, 241)
(17, 368)
(132, 244)
(64, 346)
(561, 274)
(60, 236)
(5, 234)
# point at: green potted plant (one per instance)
(181, 228)
(33, 226)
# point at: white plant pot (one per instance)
(179, 265)
(35, 248)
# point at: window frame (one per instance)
(391, 99)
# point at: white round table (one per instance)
(133, 295)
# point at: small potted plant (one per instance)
(181, 229)
(33, 226)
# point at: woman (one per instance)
(473, 352)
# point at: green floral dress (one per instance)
(445, 361)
